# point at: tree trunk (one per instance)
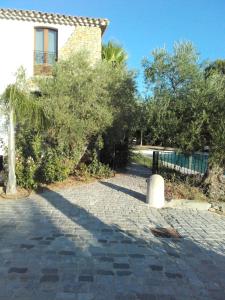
(11, 184)
(141, 141)
(214, 182)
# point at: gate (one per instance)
(1, 163)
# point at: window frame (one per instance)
(45, 64)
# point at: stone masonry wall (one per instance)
(83, 38)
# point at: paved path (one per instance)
(94, 242)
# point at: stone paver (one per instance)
(94, 242)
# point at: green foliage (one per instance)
(141, 120)
(78, 99)
(36, 163)
(89, 109)
(102, 102)
(25, 106)
(54, 167)
(98, 169)
(117, 138)
(114, 54)
(26, 170)
(187, 109)
(28, 158)
(19, 107)
(216, 67)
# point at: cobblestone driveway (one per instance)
(94, 242)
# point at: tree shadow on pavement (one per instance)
(76, 255)
(132, 193)
(142, 264)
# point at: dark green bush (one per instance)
(116, 156)
(26, 171)
(54, 167)
(98, 169)
(88, 109)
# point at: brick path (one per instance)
(94, 242)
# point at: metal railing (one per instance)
(193, 164)
(44, 58)
(1, 163)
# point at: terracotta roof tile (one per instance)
(51, 18)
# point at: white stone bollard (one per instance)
(155, 191)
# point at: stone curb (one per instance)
(187, 204)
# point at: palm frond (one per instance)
(25, 106)
(114, 53)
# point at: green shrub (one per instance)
(26, 170)
(87, 107)
(54, 167)
(98, 169)
(115, 155)
(30, 173)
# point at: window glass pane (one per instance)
(39, 46)
(52, 46)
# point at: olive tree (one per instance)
(85, 106)
(187, 110)
(77, 100)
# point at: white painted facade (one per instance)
(17, 49)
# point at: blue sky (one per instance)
(143, 25)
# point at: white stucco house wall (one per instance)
(35, 40)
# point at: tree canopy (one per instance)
(187, 109)
(89, 112)
(218, 66)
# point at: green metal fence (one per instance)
(196, 163)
